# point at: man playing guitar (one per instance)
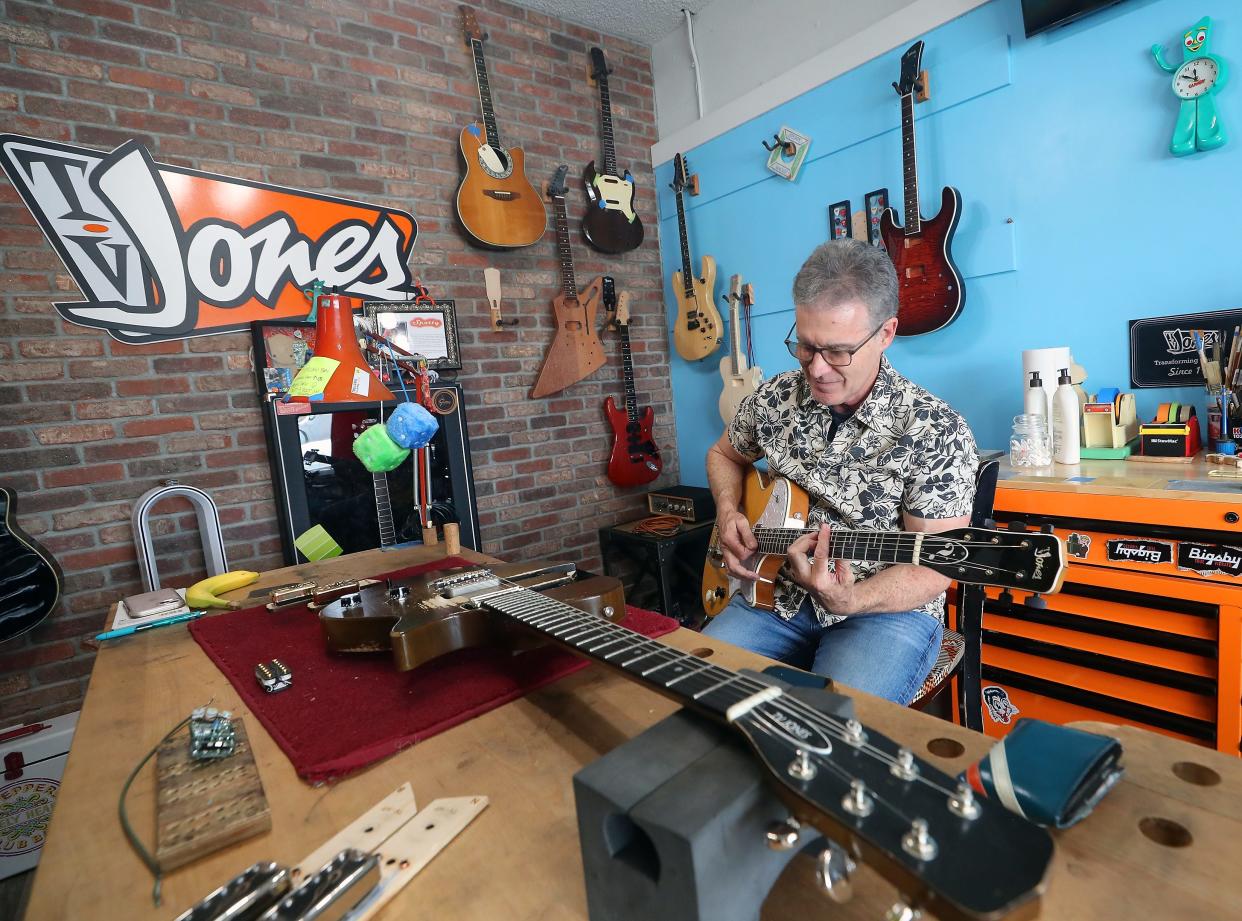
(873, 450)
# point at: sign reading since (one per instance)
(1163, 352)
(165, 252)
(1140, 551)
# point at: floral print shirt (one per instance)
(904, 450)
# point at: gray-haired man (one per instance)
(874, 451)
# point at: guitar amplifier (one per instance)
(689, 503)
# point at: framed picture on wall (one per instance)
(839, 221)
(876, 201)
(427, 329)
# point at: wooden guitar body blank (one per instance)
(419, 625)
(498, 212)
(576, 351)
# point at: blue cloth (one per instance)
(889, 655)
(411, 426)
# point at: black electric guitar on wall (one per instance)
(610, 225)
(30, 580)
(931, 292)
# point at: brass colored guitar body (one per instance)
(697, 328)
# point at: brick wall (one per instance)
(361, 98)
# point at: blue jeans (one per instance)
(888, 655)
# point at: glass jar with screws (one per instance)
(1030, 445)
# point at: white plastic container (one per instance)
(1036, 401)
(1066, 424)
(33, 758)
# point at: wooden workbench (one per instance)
(519, 860)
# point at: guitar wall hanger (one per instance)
(922, 89)
(491, 278)
(788, 148)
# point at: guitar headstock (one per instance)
(680, 173)
(599, 67)
(556, 187)
(623, 309)
(470, 26)
(911, 65)
(955, 856)
(1028, 561)
(608, 294)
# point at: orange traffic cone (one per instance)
(335, 338)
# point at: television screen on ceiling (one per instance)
(1042, 15)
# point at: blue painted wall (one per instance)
(1066, 134)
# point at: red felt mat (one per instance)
(344, 712)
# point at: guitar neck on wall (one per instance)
(931, 292)
(576, 351)
(496, 204)
(739, 380)
(696, 330)
(635, 459)
(611, 224)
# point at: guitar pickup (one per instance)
(326, 594)
(289, 595)
(332, 892)
(273, 676)
(250, 892)
(692, 324)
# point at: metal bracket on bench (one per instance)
(208, 528)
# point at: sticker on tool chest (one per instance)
(1000, 708)
(1209, 559)
(1140, 551)
(1078, 545)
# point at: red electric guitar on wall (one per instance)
(931, 291)
(635, 458)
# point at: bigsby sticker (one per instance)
(1140, 551)
(166, 252)
(1210, 559)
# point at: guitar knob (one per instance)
(783, 835)
(834, 869)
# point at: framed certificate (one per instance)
(424, 328)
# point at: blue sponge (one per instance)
(411, 426)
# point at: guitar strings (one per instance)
(574, 618)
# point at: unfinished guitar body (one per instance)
(418, 620)
(496, 203)
(576, 351)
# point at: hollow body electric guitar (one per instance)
(576, 351)
(696, 331)
(611, 225)
(496, 203)
(635, 459)
(738, 378)
(30, 580)
(931, 294)
(778, 511)
(948, 853)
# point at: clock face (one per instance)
(1194, 78)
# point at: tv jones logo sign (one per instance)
(164, 252)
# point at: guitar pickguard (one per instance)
(616, 195)
(496, 162)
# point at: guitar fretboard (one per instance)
(383, 510)
(735, 327)
(485, 93)
(568, 283)
(605, 109)
(627, 364)
(913, 222)
(687, 277)
(868, 546)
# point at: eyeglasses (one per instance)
(838, 358)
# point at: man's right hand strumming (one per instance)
(737, 543)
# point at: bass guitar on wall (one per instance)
(696, 331)
(931, 291)
(496, 203)
(778, 510)
(635, 459)
(610, 225)
(30, 580)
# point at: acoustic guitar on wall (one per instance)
(931, 292)
(576, 351)
(496, 203)
(635, 459)
(696, 331)
(739, 380)
(610, 225)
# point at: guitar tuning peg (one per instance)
(896, 88)
(1035, 601)
(783, 835)
(1017, 526)
(1047, 528)
(1005, 597)
(834, 869)
(902, 912)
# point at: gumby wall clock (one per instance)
(1195, 83)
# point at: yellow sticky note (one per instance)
(313, 377)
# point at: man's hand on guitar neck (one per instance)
(737, 543)
(833, 587)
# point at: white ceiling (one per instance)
(642, 21)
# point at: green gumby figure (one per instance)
(1195, 83)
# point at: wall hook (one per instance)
(788, 148)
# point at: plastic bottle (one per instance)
(1065, 421)
(1036, 400)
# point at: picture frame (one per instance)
(840, 222)
(427, 328)
(876, 203)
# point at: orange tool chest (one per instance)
(1147, 629)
